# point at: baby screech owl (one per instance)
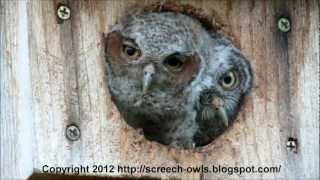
(169, 76)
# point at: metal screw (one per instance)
(284, 24)
(63, 12)
(72, 132)
(292, 144)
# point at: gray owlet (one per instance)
(169, 76)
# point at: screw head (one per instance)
(284, 24)
(292, 144)
(63, 12)
(72, 132)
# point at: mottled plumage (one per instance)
(169, 76)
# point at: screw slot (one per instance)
(63, 12)
(292, 144)
(72, 132)
(284, 24)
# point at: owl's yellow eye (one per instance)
(131, 51)
(229, 80)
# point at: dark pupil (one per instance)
(227, 79)
(174, 62)
(130, 51)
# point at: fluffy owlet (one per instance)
(174, 79)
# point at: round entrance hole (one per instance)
(183, 82)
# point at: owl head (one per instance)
(166, 73)
(227, 80)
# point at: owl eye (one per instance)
(229, 80)
(131, 51)
(174, 62)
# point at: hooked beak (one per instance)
(148, 72)
(221, 112)
(218, 104)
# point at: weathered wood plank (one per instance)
(16, 116)
(285, 102)
(68, 86)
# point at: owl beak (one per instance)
(223, 115)
(148, 72)
(218, 105)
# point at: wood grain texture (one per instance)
(16, 116)
(68, 85)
